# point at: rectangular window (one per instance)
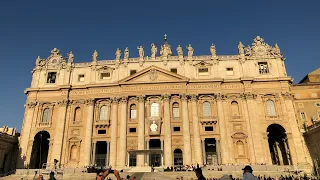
(318, 104)
(81, 78)
(208, 128)
(133, 72)
(263, 68)
(105, 75)
(51, 78)
(132, 130)
(174, 70)
(175, 112)
(102, 131)
(303, 115)
(229, 71)
(203, 71)
(176, 129)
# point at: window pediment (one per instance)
(239, 135)
(203, 64)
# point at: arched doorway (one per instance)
(40, 149)
(177, 157)
(278, 145)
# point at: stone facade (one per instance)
(163, 110)
(8, 149)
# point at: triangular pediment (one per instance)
(153, 74)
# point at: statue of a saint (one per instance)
(240, 48)
(179, 51)
(126, 53)
(153, 51)
(118, 54)
(213, 50)
(55, 51)
(190, 51)
(153, 126)
(277, 49)
(141, 52)
(70, 57)
(248, 51)
(38, 61)
(95, 55)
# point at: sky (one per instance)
(32, 28)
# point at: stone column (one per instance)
(222, 128)
(162, 153)
(108, 154)
(88, 133)
(196, 131)
(204, 152)
(265, 143)
(140, 157)
(218, 151)
(123, 134)
(296, 136)
(186, 131)
(94, 145)
(147, 155)
(167, 132)
(30, 108)
(114, 128)
(59, 131)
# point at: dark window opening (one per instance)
(102, 131)
(132, 130)
(133, 72)
(208, 128)
(51, 77)
(176, 129)
(174, 70)
(105, 75)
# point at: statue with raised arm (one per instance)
(180, 51)
(126, 53)
(70, 57)
(213, 50)
(241, 49)
(141, 52)
(118, 54)
(190, 51)
(95, 55)
(153, 51)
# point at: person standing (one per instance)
(247, 173)
(199, 174)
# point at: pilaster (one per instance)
(196, 130)
(167, 129)
(88, 132)
(222, 129)
(123, 133)
(141, 129)
(186, 130)
(114, 127)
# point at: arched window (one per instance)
(133, 111)
(240, 148)
(271, 109)
(235, 108)
(154, 110)
(77, 114)
(206, 109)
(175, 110)
(46, 115)
(103, 113)
(73, 152)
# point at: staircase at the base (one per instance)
(140, 169)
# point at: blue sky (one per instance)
(32, 28)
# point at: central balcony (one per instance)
(208, 120)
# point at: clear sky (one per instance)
(32, 28)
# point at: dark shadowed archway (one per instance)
(40, 149)
(278, 145)
(177, 157)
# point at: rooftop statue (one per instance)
(180, 51)
(154, 51)
(213, 50)
(190, 51)
(126, 53)
(241, 48)
(70, 57)
(95, 56)
(118, 54)
(55, 51)
(141, 52)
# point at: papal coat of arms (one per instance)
(153, 74)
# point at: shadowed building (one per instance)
(163, 110)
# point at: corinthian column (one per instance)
(186, 130)
(123, 134)
(88, 133)
(222, 129)
(140, 157)
(167, 132)
(59, 131)
(196, 131)
(114, 128)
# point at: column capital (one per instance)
(114, 100)
(250, 96)
(32, 104)
(141, 98)
(124, 99)
(63, 103)
(193, 97)
(183, 97)
(90, 102)
(287, 95)
(221, 97)
(166, 97)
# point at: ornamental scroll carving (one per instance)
(221, 97)
(287, 95)
(63, 103)
(141, 98)
(193, 97)
(124, 99)
(90, 102)
(32, 104)
(184, 97)
(78, 102)
(114, 100)
(153, 75)
(261, 49)
(166, 97)
(250, 96)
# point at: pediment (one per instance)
(153, 74)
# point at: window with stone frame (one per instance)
(263, 67)
(133, 71)
(81, 78)
(73, 152)
(175, 110)
(77, 114)
(103, 113)
(203, 71)
(235, 109)
(154, 110)
(46, 115)
(229, 71)
(206, 109)
(271, 108)
(133, 111)
(51, 77)
(240, 148)
(174, 70)
(105, 75)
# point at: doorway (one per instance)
(211, 151)
(177, 157)
(40, 150)
(101, 153)
(155, 159)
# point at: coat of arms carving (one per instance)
(153, 74)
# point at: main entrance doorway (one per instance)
(177, 157)
(155, 159)
(211, 151)
(101, 153)
(40, 149)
